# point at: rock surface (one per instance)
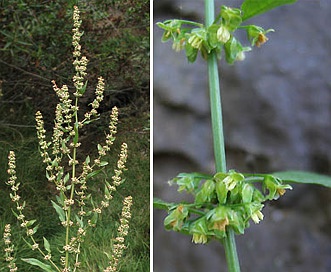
(277, 116)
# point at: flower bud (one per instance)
(241, 56)
(257, 216)
(195, 41)
(223, 34)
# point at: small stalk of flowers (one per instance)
(122, 232)
(24, 223)
(9, 249)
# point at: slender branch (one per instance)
(25, 72)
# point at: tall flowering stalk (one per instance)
(74, 206)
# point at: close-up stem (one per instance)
(218, 135)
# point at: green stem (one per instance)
(73, 175)
(215, 98)
(231, 251)
(218, 136)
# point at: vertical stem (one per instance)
(72, 191)
(215, 98)
(218, 136)
(231, 251)
(216, 113)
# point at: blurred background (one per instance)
(277, 116)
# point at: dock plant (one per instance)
(73, 204)
(226, 201)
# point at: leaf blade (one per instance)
(47, 245)
(304, 177)
(59, 211)
(36, 262)
(162, 205)
(252, 8)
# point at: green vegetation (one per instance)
(35, 42)
(38, 191)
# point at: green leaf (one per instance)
(189, 181)
(35, 229)
(60, 198)
(206, 193)
(94, 219)
(231, 17)
(36, 262)
(221, 191)
(304, 177)
(212, 36)
(191, 52)
(160, 204)
(16, 215)
(87, 160)
(31, 222)
(92, 174)
(83, 89)
(79, 221)
(247, 193)
(103, 163)
(47, 245)
(233, 50)
(252, 8)
(66, 178)
(59, 211)
(176, 218)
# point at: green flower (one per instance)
(206, 193)
(223, 34)
(195, 41)
(178, 45)
(198, 238)
(231, 17)
(275, 187)
(218, 220)
(257, 216)
(257, 35)
(199, 230)
(176, 218)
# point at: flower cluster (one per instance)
(120, 165)
(79, 64)
(12, 181)
(111, 188)
(122, 232)
(194, 37)
(77, 34)
(110, 137)
(225, 200)
(9, 249)
(14, 185)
